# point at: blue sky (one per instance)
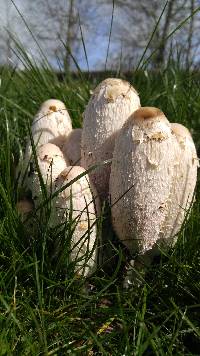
(95, 36)
(96, 42)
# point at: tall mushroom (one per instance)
(112, 102)
(77, 203)
(141, 179)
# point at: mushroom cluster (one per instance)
(52, 159)
(152, 182)
(148, 177)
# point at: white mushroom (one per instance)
(112, 102)
(72, 147)
(77, 202)
(51, 163)
(52, 124)
(184, 182)
(141, 179)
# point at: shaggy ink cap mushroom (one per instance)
(152, 121)
(52, 124)
(51, 163)
(77, 201)
(141, 178)
(111, 104)
(72, 147)
(184, 182)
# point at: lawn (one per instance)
(44, 308)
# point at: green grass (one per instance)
(44, 308)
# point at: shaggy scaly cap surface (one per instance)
(72, 147)
(184, 182)
(141, 178)
(112, 102)
(52, 124)
(78, 201)
(51, 163)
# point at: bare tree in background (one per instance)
(59, 30)
(5, 43)
(60, 27)
(71, 36)
(138, 20)
(190, 35)
(57, 26)
(8, 26)
(159, 59)
(65, 15)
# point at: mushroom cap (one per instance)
(77, 201)
(141, 178)
(72, 147)
(50, 160)
(183, 135)
(82, 186)
(48, 151)
(149, 123)
(112, 102)
(148, 112)
(114, 88)
(67, 175)
(51, 163)
(180, 130)
(184, 182)
(52, 124)
(53, 118)
(52, 105)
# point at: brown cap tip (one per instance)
(147, 112)
(115, 81)
(122, 86)
(53, 108)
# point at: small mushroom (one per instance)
(77, 202)
(72, 147)
(112, 102)
(52, 124)
(51, 163)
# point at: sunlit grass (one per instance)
(44, 308)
